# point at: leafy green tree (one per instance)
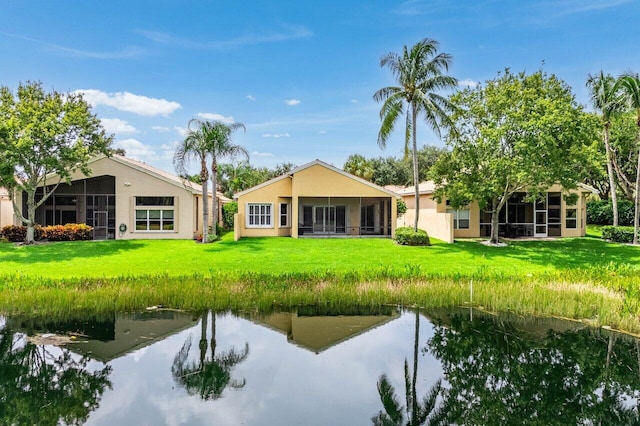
(208, 377)
(428, 411)
(605, 98)
(38, 386)
(420, 74)
(630, 85)
(44, 133)
(516, 133)
(359, 166)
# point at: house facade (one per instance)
(124, 199)
(560, 213)
(316, 199)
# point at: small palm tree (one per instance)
(630, 85)
(606, 100)
(194, 147)
(420, 74)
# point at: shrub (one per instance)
(600, 212)
(407, 236)
(402, 206)
(17, 234)
(228, 210)
(618, 234)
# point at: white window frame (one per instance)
(456, 217)
(286, 216)
(568, 219)
(268, 216)
(161, 219)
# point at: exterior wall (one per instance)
(433, 217)
(273, 194)
(6, 212)
(318, 181)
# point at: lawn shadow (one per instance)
(68, 250)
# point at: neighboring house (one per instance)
(6, 209)
(560, 214)
(315, 199)
(125, 199)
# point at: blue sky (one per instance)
(299, 75)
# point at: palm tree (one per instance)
(218, 145)
(605, 98)
(194, 147)
(419, 72)
(207, 378)
(426, 412)
(630, 85)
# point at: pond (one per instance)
(315, 367)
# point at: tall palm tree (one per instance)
(630, 85)
(194, 147)
(420, 75)
(605, 99)
(218, 145)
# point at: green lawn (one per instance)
(285, 255)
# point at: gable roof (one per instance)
(192, 187)
(426, 187)
(315, 162)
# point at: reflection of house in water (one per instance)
(113, 336)
(316, 332)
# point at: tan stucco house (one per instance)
(123, 199)
(561, 213)
(316, 199)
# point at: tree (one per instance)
(419, 72)
(44, 134)
(359, 166)
(218, 144)
(516, 133)
(630, 85)
(605, 99)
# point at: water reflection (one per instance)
(317, 367)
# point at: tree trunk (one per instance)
(612, 182)
(205, 201)
(202, 344)
(214, 202)
(414, 393)
(31, 217)
(416, 178)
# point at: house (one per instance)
(124, 199)
(560, 213)
(316, 199)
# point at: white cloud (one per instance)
(134, 148)
(250, 97)
(216, 117)
(276, 135)
(161, 129)
(182, 131)
(125, 101)
(323, 132)
(354, 101)
(262, 154)
(467, 82)
(292, 102)
(117, 126)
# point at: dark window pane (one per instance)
(154, 201)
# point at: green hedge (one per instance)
(600, 212)
(407, 236)
(228, 210)
(618, 234)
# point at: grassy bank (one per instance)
(575, 278)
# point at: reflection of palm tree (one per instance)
(425, 412)
(207, 378)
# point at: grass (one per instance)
(581, 278)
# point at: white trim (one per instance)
(248, 215)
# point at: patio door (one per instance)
(324, 220)
(540, 218)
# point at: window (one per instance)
(259, 215)
(572, 218)
(460, 218)
(284, 215)
(156, 214)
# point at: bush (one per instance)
(600, 212)
(402, 206)
(68, 232)
(228, 210)
(407, 236)
(618, 234)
